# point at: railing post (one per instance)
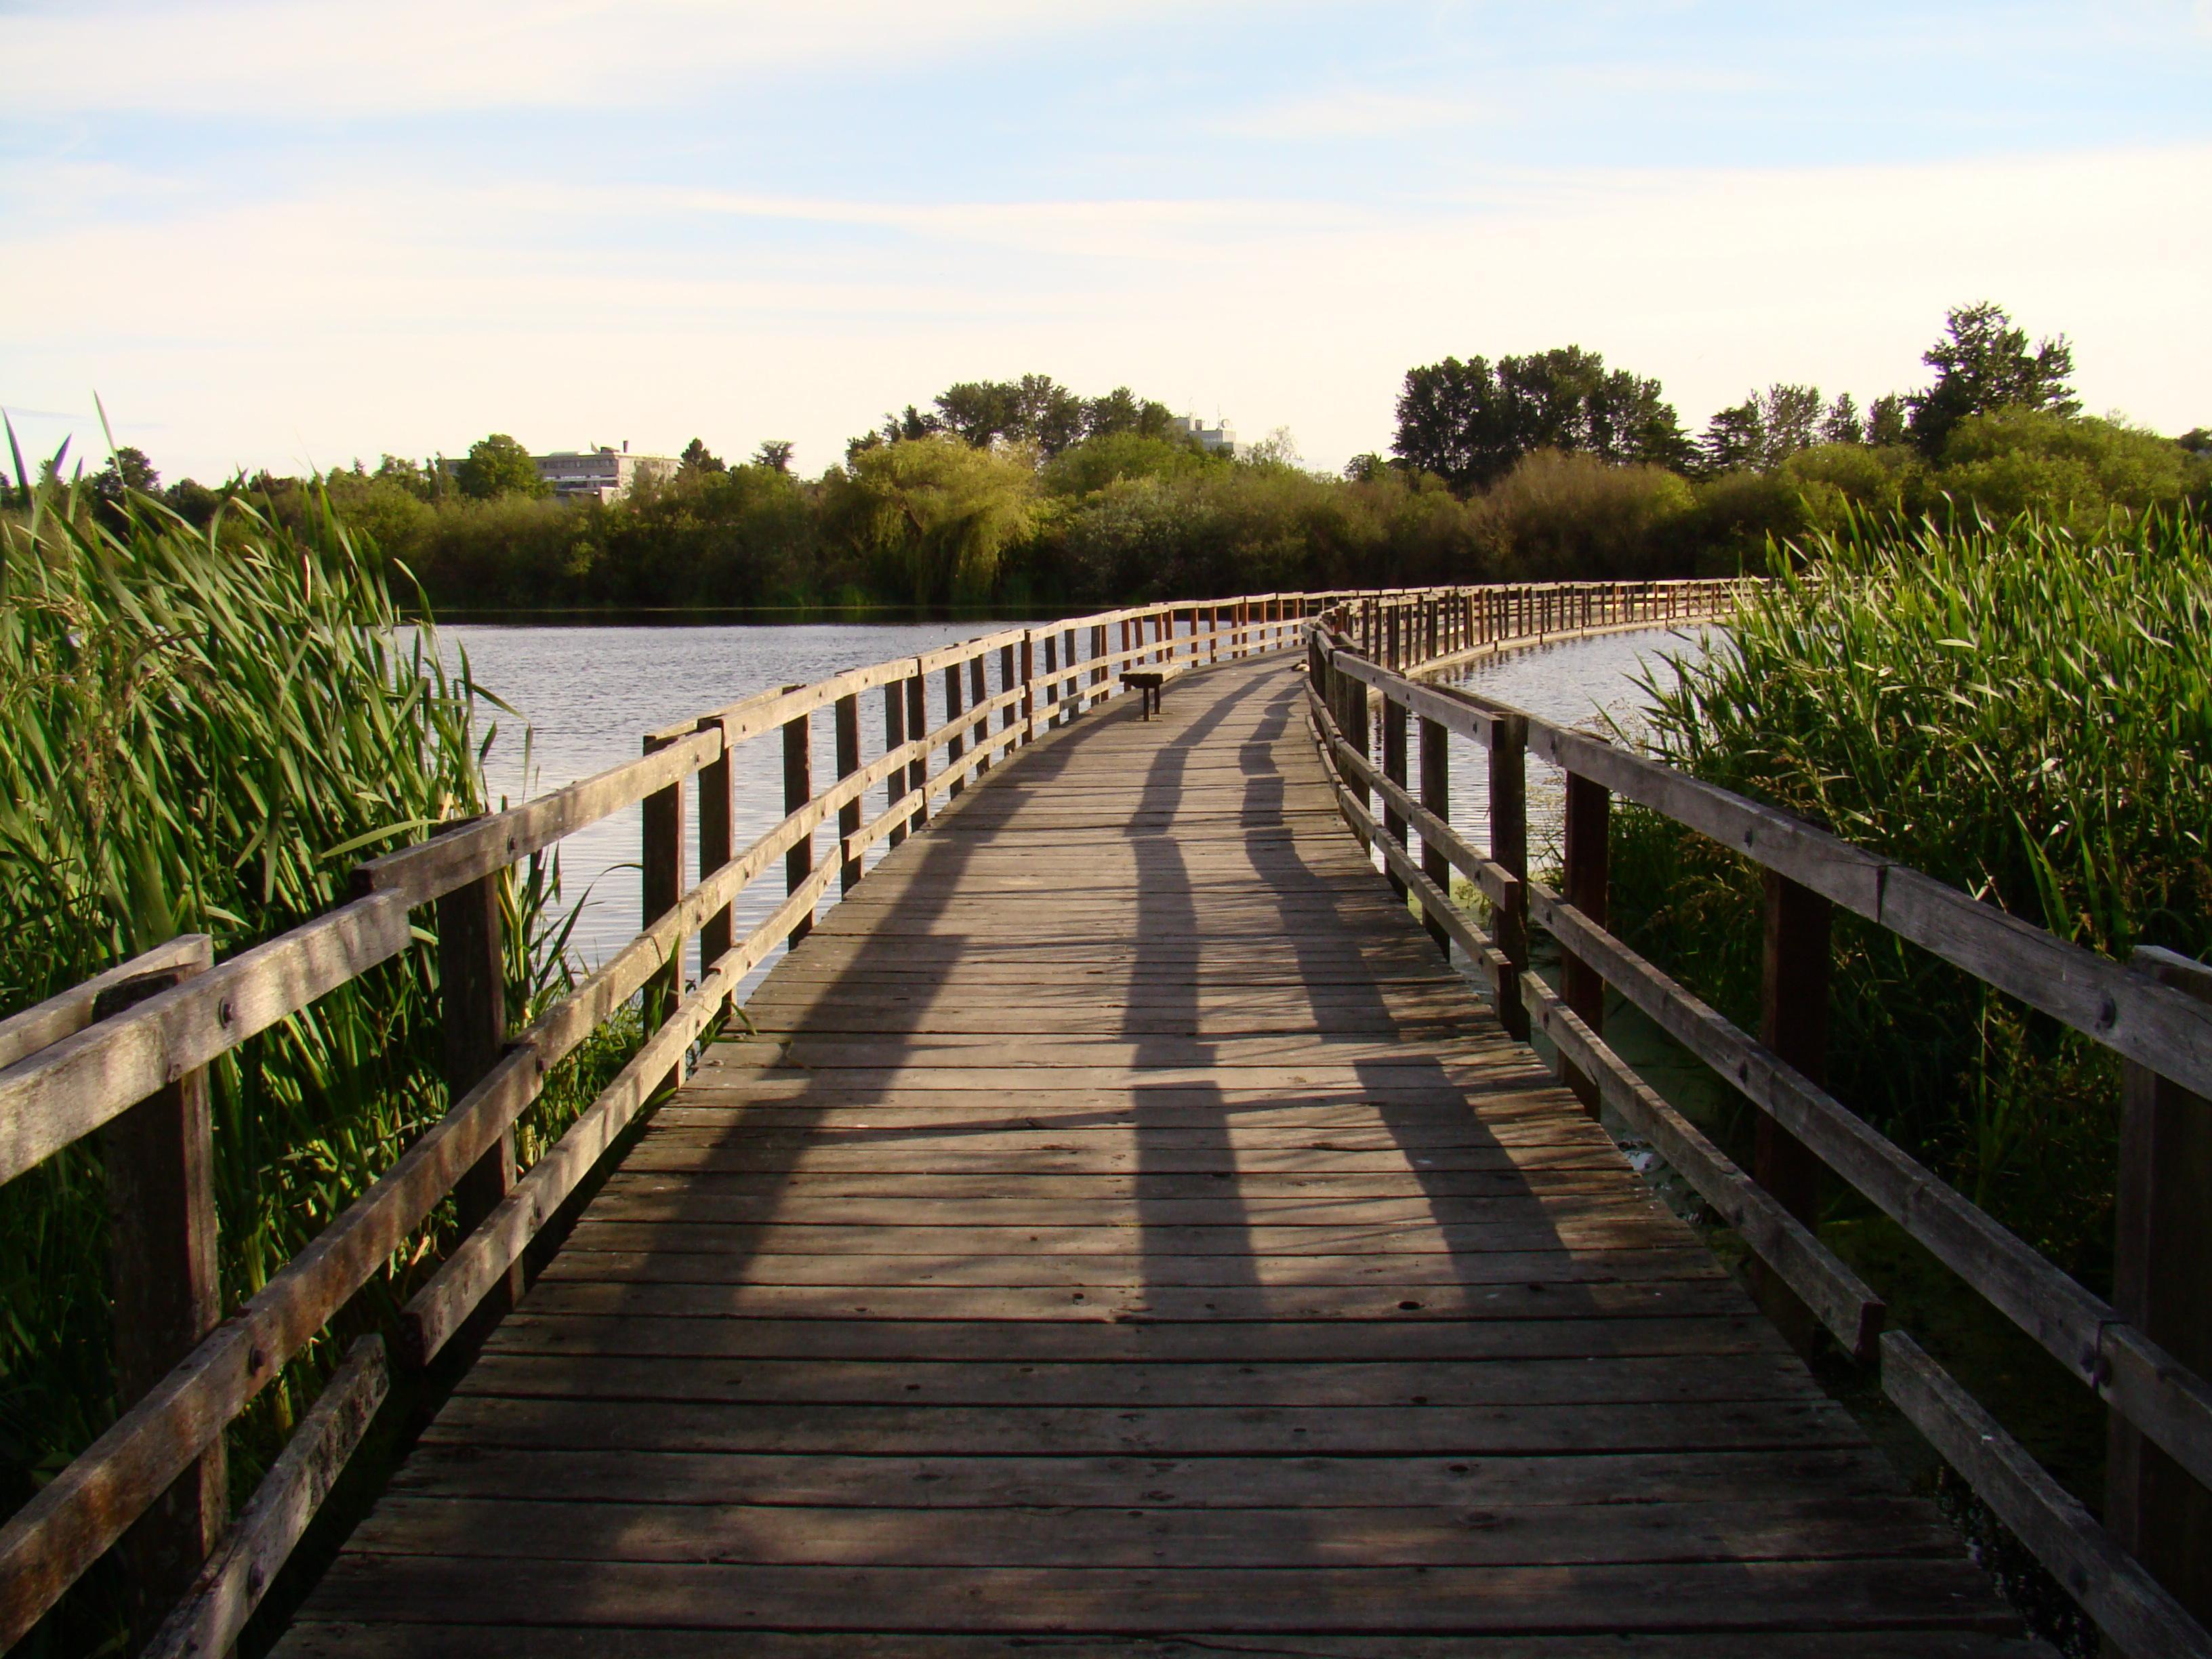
(1359, 731)
(1051, 682)
(1588, 882)
(661, 884)
(1508, 849)
(954, 748)
(159, 1162)
(1793, 1021)
(1436, 795)
(1072, 695)
(717, 845)
(1029, 690)
(798, 790)
(894, 739)
(1394, 768)
(848, 718)
(978, 693)
(473, 1027)
(1099, 675)
(1010, 712)
(917, 725)
(2162, 1283)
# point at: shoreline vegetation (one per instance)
(1020, 496)
(204, 735)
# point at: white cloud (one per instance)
(1354, 113)
(418, 317)
(260, 57)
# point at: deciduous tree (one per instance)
(497, 466)
(1983, 363)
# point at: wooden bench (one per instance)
(1148, 681)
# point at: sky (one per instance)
(286, 235)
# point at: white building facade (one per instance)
(601, 474)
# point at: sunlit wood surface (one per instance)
(1124, 1229)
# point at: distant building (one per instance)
(602, 474)
(1219, 440)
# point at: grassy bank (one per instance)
(206, 728)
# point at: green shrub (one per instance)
(1558, 516)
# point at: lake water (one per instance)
(590, 693)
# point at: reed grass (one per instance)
(205, 729)
(2019, 709)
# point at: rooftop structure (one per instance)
(602, 473)
(1219, 438)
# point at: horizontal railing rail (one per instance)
(2155, 1012)
(125, 1056)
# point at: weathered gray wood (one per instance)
(473, 1027)
(423, 872)
(2127, 1604)
(1588, 819)
(2162, 1282)
(228, 1589)
(1808, 1269)
(492, 1250)
(661, 884)
(158, 1161)
(65, 1091)
(1793, 1021)
(2080, 1330)
(69, 1012)
(798, 791)
(848, 718)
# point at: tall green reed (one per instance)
(2017, 709)
(205, 729)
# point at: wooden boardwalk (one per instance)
(1126, 1234)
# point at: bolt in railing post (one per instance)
(848, 718)
(1436, 795)
(1793, 1021)
(717, 845)
(894, 740)
(1589, 815)
(954, 747)
(160, 1166)
(661, 884)
(1508, 849)
(917, 725)
(2162, 1283)
(798, 790)
(1394, 768)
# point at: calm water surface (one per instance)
(586, 696)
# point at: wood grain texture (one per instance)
(1126, 1234)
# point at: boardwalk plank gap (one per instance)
(1127, 1235)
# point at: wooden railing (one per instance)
(2145, 1576)
(126, 1057)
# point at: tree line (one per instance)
(1025, 492)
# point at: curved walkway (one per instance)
(1126, 1234)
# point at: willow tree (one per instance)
(935, 517)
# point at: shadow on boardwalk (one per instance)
(1126, 1228)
